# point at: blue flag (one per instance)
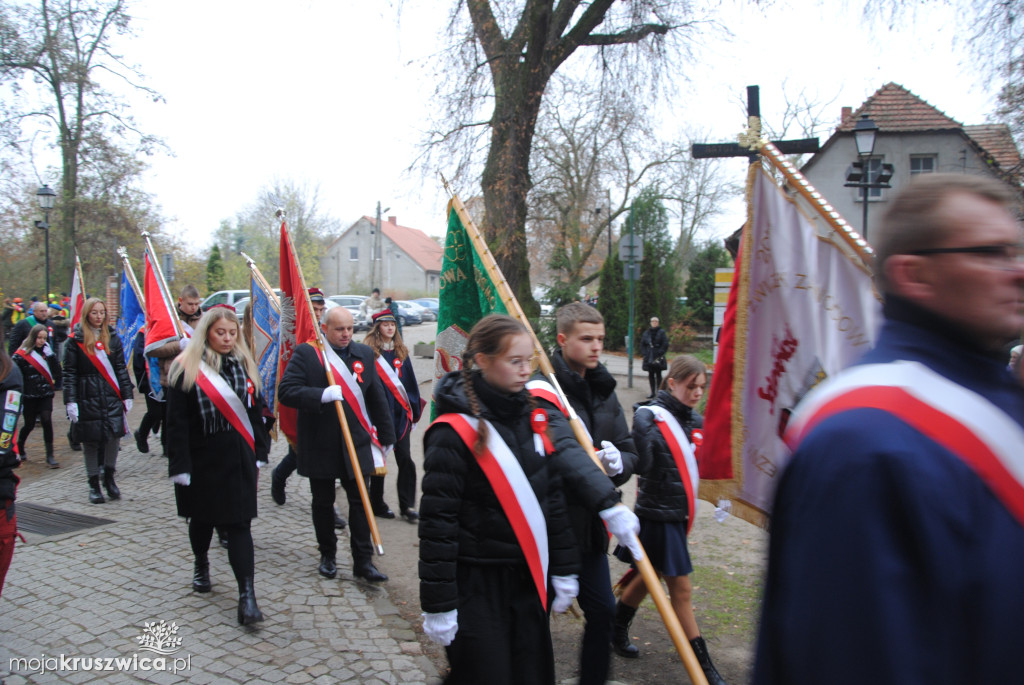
(131, 319)
(266, 322)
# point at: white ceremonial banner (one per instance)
(805, 311)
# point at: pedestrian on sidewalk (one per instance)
(666, 502)
(40, 372)
(216, 442)
(10, 395)
(653, 347)
(394, 367)
(97, 396)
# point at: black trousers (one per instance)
(598, 604)
(654, 377)
(34, 408)
(503, 636)
(322, 490)
(241, 553)
(287, 466)
(405, 482)
(152, 419)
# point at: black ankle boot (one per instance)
(201, 574)
(108, 482)
(95, 496)
(248, 612)
(620, 635)
(21, 449)
(700, 649)
(50, 461)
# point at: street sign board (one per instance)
(631, 248)
(631, 272)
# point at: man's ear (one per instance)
(910, 276)
(561, 338)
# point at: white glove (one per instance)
(441, 627)
(567, 588)
(332, 393)
(72, 409)
(128, 405)
(183, 343)
(182, 479)
(260, 464)
(611, 457)
(46, 350)
(624, 525)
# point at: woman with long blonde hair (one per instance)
(394, 368)
(216, 442)
(97, 396)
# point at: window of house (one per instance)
(922, 164)
(353, 254)
(874, 168)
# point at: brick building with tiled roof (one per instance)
(915, 137)
(408, 260)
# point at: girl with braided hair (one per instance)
(494, 530)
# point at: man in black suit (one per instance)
(322, 454)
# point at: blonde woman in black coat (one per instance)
(216, 442)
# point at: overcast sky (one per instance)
(335, 94)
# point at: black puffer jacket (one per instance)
(593, 398)
(100, 412)
(36, 386)
(461, 519)
(661, 495)
(10, 409)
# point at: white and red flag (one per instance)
(77, 293)
(801, 309)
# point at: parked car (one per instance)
(407, 314)
(352, 303)
(425, 313)
(431, 304)
(224, 297)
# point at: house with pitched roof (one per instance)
(916, 138)
(397, 258)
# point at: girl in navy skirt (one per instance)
(665, 502)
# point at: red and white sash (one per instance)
(682, 453)
(967, 424)
(226, 401)
(38, 363)
(353, 395)
(545, 391)
(393, 383)
(102, 364)
(514, 492)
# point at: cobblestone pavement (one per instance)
(91, 593)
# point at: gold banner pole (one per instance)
(345, 431)
(668, 615)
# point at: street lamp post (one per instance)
(859, 174)
(46, 198)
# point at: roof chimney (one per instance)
(393, 220)
(847, 113)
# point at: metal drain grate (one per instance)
(35, 518)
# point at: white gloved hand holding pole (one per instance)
(182, 479)
(72, 409)
(611, 458)
(441, 627)
(624, 525)
(332, 393)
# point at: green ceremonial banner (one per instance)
(467, 294)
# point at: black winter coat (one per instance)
(593, 398)
(653, 344)
(100, 412)
(461, 519)
(661, 495)
(222, 466)
(10, 409)
(321, 450)
(36, 385)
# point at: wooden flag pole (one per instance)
(123, 254)
(668, 615)
(165, 292)
(345, 430)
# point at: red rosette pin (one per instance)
(358, 368)
(539, 423)
(250, 390)
(398, 366)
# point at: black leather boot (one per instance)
(248, 612)
(108, 482)
(620, 634)
(704, 659)
(50, 461)
(201, 574)
(95, 496)
(21, 448)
